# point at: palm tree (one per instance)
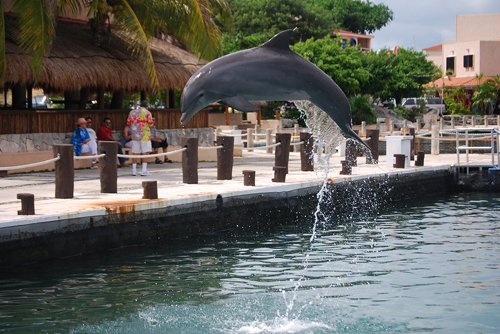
(192, 22)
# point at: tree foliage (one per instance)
(344, 66)
(256, 21)
(358, 16)
(383, 75)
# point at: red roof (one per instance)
(467, 82)
(435, 47)
(345, 32)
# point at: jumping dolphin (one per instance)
(270, 72)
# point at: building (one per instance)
(476, 50)
(354, 39)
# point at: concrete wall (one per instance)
(485, 27)
(34, 142)
(161, 222)
(215, 119)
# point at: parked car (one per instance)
(433, 104)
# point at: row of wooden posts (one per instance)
(65, 174)
(64, 168)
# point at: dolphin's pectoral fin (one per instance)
(238, 102)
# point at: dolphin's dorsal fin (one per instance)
(280, 41)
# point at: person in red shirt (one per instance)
(105, 133)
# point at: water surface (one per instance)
(426, 266)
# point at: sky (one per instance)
(424, 23)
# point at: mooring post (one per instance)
(372, 156)
(27, 204)
(108, 169)
(269, 140)
(351, 152)
(412, 144)
(419, 162)
(435, 140)
(225, 158)
(400, 161)
(250, 139)
(64, 171)
(307, 152)
(150, 190)
(249, 178)
(190, 161)
(282, 152)
(279, 174)
(346, 168)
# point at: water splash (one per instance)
(328, 137)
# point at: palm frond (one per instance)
(36, 30)
(138, 39)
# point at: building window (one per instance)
(450, 64)
(468, 61)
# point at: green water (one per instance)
(427, 266)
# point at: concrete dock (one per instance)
(90, 208)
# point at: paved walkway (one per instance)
(171, 190)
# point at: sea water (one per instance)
(426, 266)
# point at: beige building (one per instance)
(476, 50)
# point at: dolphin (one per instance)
(270, 72)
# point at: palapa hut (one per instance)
(77, 67)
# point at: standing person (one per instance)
(82, 142)
(140, 121)
(157, 142)
(105, 133)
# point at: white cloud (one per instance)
(424, 23)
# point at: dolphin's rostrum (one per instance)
(270, 72)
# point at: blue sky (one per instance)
(424, 23)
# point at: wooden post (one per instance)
(400, 161)
(27, 204)
(190, 161)
(108, 169)
(150, 189)
(282, 153)
(249, 178)
(250, 139)
(64, 171)
(225, 158)
(279, 173)
(346, 168)
(372, 156)
(306, 152)
(420, 158)
(269, 140)
(351, 152)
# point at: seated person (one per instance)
(127, 137)
(91, 131)
(82, 142)
(157, 142)
(105, 133)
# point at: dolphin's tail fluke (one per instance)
(353, 135)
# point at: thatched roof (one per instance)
(75, 62)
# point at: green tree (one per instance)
(408, 72)
(344, 66)
(192, 22)
(256, 21)
(454, 100)
(357, 16)
(486, 94)
(362, 110)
